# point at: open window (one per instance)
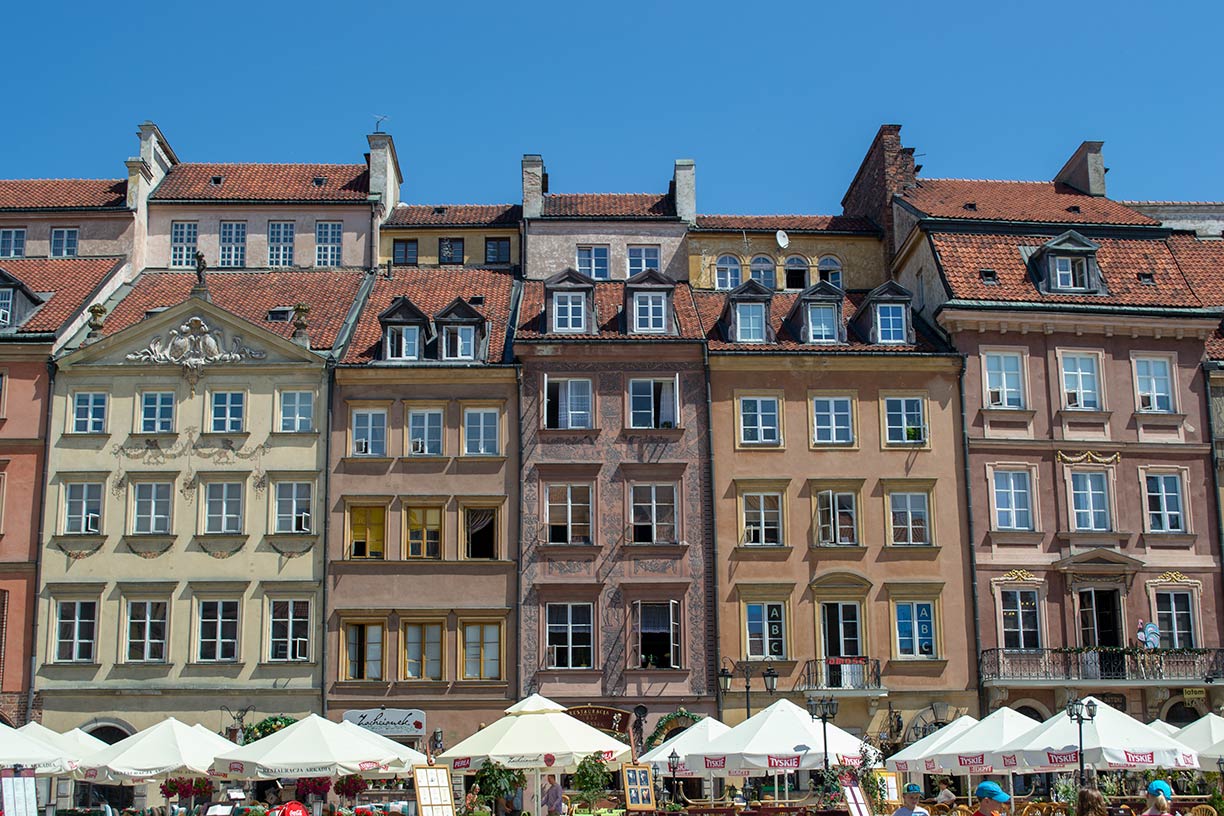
(656, 629)
(1067, 263)
(480, 532)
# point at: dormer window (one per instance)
(822, 323)
(569, 312)
(6, 307)
(459, 343)
(890, 323)
(1071, 273)
(1067, 263)
(650, 312)
(403, 343)
(750, 322)
(280, 314)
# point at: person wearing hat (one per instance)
(991, 798)
(1159, 794)
(910, 795)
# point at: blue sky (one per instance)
(776, 102)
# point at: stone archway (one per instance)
(1179, 712)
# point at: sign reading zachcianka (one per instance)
(390, 722)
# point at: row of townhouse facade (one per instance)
(281, 441)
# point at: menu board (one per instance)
(639, 787)
(434, 794)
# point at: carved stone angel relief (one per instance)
(193, 345)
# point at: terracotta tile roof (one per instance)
(431, 291)
(791, 223)
(609, 297)
(710, 306)
(264, 182)
(329, 294)
(1202, 262)
(62, 194)
(66, 282)
(963, 256)
(456, 215)
(1035, 201)
(609, 205)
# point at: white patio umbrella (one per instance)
(1205, 735)
(913, 757)
(1165, 728)
(169, 748)
(18, 748)
(1113, 740)
(312, 746)
(407, 756)
(72, 748)
(971, 751)
(693, 738)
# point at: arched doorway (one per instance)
(1029, 711)
(1180, 714)
(117, 796)
(110, 734)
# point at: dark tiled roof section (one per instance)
(791, 223)
(329, 294)
(710, 305)
(431, 291)
(609, 299)
(455, 215)
(963, 256)
(63, 194)
(264, 182)
(1202, 262)
(1029, 201)
(609, 205)
(66, 282)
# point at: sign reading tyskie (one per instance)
(783, 762)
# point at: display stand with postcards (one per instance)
(639, 787)
(434, 794)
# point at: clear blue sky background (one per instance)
(776, 102)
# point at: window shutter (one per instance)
(675, 635)
(563, 419)
(635, 635)
(544, 405)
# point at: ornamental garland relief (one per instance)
(194, 346)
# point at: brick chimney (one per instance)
(385, 175)
(684, 190)
(887, 169)
(1085, 170)
(535, 185)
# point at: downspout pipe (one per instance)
(712, 536)
(327, 525)
(973, 571)
(1208, 367)
(38, 541)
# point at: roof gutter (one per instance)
(1082, 308)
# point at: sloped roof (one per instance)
(63, 194)
(65, 283)
(790, 223)
(1027, 201)
(264, 182)
(1202, 262)
(609, 205)
(455, 215)
(609, 301)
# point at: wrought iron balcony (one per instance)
(1101, 665)
(839, 674)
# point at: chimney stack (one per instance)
(385, 175)
(887, 170)
(1085, 170)
(535, 185)
(684, 190)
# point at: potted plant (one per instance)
(590, 781)
(309, 787)
(349, 786)
(494, 781)
(913, 433)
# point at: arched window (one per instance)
(763, 271)
(796, 272)
(830, 270)
(727, 272)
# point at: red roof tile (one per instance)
(1202, 262)
(62, 194)
(792, 223)
(329, 294)
(67, 283)
(431, 291)
(609, 298)
(456, 215)
(963, 256)
(1036, 201)
(609, 205)
(264, 182)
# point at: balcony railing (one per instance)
(839, 673)
(1102, 664)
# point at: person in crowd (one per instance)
(1159, 795)
(552, 800)
(991, 799)
(910, 796)
(1091, 803)
(945, 796)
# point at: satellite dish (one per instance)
(782, 238)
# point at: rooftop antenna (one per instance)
(379, 118)
(747, 246)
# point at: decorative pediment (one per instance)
(459, 311)
(402, 310)
(650, 279)
(1070, 241)
(194, 345)
(569, 279)
(1099, 560)
(842, 581)
(751, 289)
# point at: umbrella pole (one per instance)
(539, 799)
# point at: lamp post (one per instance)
(673, 765)
(239, 718)
(823, 709)
(744, 667)
(1081, 712)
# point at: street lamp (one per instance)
(436, 744)
(673, 765)
(1081, 712)
(744, 667)
(823, 709)
(239, 718)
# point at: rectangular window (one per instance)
(404, 252)
(329, 237)
(766, 624)
(218, 631)
(370, 433)
(650, 312)
(1020, 624)
(363, 644)
(294, 507)
(367, 531)
(659, 642)
(157, 412)
(459, 342)
(1154, 382)
(890, 323)
(652, 403)
(1080, 387)
(290, 638)
(762, 519)
(569, 312)
(654, 513)
(280, 243)
(593, 261)
(1164, 503)
(233, 243)
(1013, 500)
(832, 421)
(842, 635)
(1004, 380)
(403, 342)
(570, 635)
(482, 651)
(836, 517)
(915, 629)
(569, 514)
(910, 520)
(223, 507)
(822, 323)
(228, 411)
(151, 506)
(480, 432)
(1090, 498)
(425, 433)
(1175, 617)
(6, 307)
(64, 242)
(480, 532)
(423, 651)
(89, 412)
(297, 412)
(450, 250)
(750, 322)
(183, 243)
(12, 243)
(759, 420)
(1071, 273)
(146, 631)
(75, 631)
(424, 532)
(905, 419)
(567, 404)
(497, 250)
(642, 258)
(83, 505)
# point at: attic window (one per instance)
(6, 307)
(476, 300)
(216, 180)
(319, 181)
(990, 277)
(1147, 278)
(1071, 273)
(156, 310)
(281, 314)
(1074, 208)
(971, 206)
(439, 210)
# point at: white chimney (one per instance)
(684, 190)
(535, 185)
(385, 175)
(1085, 170)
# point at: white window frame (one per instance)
(402, 342)
(329, 243)
(1008, 513)
(229, 498)
(829, 269)
(1160, 399)
(905, 409)
(281, 235)
(728, 272)
(767, 637)
(892, 324)
(227, 406)
(672, 629)
(649, 312)
(68, 240)
(466, 348)
(595, 264)
(764, 270)
(83, 508)
(829, 332)
(908, 506)
(827, 415)
(1067, 269)
(297, 498)
(12, 242)
(140, 612)
(296, 639)
(915, 651)
(638, 258)
(830, 504)
(758, 432)
(219, 619)
(652, 494)
(1094, 485)
(744, 310)
(6, 306)
(233, 244)
(1165, 508)
(95, 405)
(292, 422)
(566, 630)
(1004, 387)
(571, 392)
(369, 432)
(82, 642)
(1076, 381)
(425, 425)
(154, 406)
(758, 521)
(568, 504)
(477, 444)
(568, 312)
(154, 496)
(1022, 632)
(184, 240)
(658, 409)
